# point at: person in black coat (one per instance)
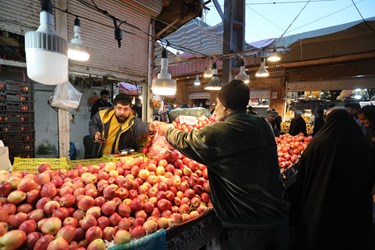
(298, 124)
(318, 121)
(331, 198)
(101, 103)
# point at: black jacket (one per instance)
(131, 131)
(244, 174)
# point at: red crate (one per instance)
(20, 147)
(17, 118)
(16, 127)
(14, 137)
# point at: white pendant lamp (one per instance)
(76, 49)
(274, 57)
(242, 75)
(262, 72)
(208, 71)
(214, 84)
(164, 85)
(197, 82)
(46, 52)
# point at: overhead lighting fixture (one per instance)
(208, 71)
(46, 52)
(274, 57)
(242, 75)
(164, 85)
(178, 57)
(197, 82)
(262, 72)
(76, 49)
(214, 83)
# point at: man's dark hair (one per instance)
(123, 99)
(353, 105)
(104, 92)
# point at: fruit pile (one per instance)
(89, 206)
(200, 122)
(290, 148)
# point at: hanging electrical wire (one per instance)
(362, 17)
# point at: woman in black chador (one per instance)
(331, 198)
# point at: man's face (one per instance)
(220, 111)
(122, 112)
(363, 120)
(105, 98)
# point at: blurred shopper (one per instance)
(101, 103)
(241, 155)
(318, 121)
(251, 111)
(331, 198)
(137, 107)
(366, 115)
(278, 120)
(353, 109)
(271, 115)
(298, 124)
(117, 128)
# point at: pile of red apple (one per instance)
(290, 148)
(85, 207)
(200, 123)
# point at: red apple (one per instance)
(103, 222)
(122, 237)
(12, 239)
(124, 224)
(93, 233)
(25, 208)
(58, 244)
(124, 210)
(48, 190)
(36, 215)
(109, 207)
(28, 226)
(61, 212)
(31, 239)
(87, 222)
(17, 219)
(70, 221)
(51, 226)
(44, 167)
(16, 197)
(137, 232)
(43, 242)
(114, 219)
(109, 233)
(97, 244)
(67, 232)
(85, 202)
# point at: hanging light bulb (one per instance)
(46, 52)
(164, 85)
(208, 71)
(76, 50)
(262, 72)
(178, 57)
(242, 75)
(214, 83)
(274, 57)
(197, 82)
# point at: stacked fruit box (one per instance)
(17, 118)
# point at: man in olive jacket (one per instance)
(117, 128)
(241, 155)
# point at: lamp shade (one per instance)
(197, 82)
(214, 83)
(208, 71)
(242, 75)
(46, 52)
(76, 49)
(274, 57)
(164, 85)
(262, 72)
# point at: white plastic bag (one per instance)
(66, 97)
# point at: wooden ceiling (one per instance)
(176, 13)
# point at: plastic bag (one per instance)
(66, 97)
(159, 147)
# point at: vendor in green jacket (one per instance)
(117, 128)
(241, 155)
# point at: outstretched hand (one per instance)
(160, 127)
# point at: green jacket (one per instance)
(244, 175)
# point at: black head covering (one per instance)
(334, 181)
(122, 99)
(235, 95)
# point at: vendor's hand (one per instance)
(154, 126)
(163, 127)
(98, 137)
